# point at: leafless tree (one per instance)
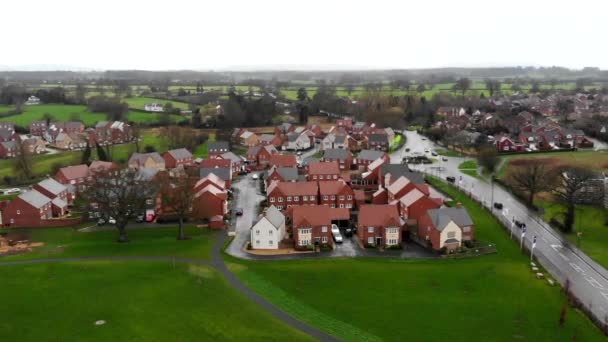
(574, 187)
(121, 195)
(532, 178)
(488, 158)
(22, 163)
(177, 195)
(183, 137)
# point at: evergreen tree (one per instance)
(101, 153)
(86, 155)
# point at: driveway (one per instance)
(248, 197)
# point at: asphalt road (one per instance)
(588, 279)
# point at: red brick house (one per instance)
(216, 162)
(415, 204)
(209, 202)
(336, 194)
(37, 127)
(342, 156)
(210, 179)
(311, 225)
(260, 155)
(401, 187)
(377, 141)
(52, 189)
(445, 228)
(366, 157)
(236, 162)
(102, 166)
(322, 171)
(283, 160)
(27, 210)
(505, 144)
(76, 175)
(286, 194)
(217, 148)
(282, 174)
(379, 225)
(178, 158)
(8, 149)
(271, 139)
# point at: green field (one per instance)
(201, 150)
(140, 102)
(490, 298)
(593, 160)
(140, 301)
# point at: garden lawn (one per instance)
(489, 298)
(448, 153)
(59, 112)
(41, 164)
(469, 167)
(139, 301)
(591, 221)
(69, 242)
(201, 151)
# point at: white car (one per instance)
(334, 229)
(338, 238)
(255, 176)
(12, 191)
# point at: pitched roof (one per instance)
(331, 188)
(180, 153)
(310, 160)
(75, 171)
(52, 186)
(141, 158)
(9, 145)
(275, 216)
(34, 198)
(267, 137)
(442, 216)
(287, 173)
(324, 168)
(378, 215)
(213, 179)
(6, 133)
(376, 163)
(218, 146)
(398, 184)
(411, 197)
(99, 165)
(59, 202)
(398, 170)
(294, 188)
(370, 155)
(283, 160)
(222, 172)
(233, 157)
(212, 189)
(379, 138)
(336, 153)
(318, 215)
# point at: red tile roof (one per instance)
(318, 215)
(324, 168)
(378, 215)
(75, 172)
(283, 160)
(294, 188)
(215, 162)
(331, 187)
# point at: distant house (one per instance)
(343, 157)
(367, 157)
(223, 173)
(63, 141)
(379, 225)
(32, 100)
(7, 134)
(236, 162)
(271, 139)
(323, 171)
(283, 160)
(445, 228)
(37, 127)
(33, 144)
(335, 141)
(249, 139)
(269, 230)
(178, 158)
(296, 141)
(146, 160)
(9, 149)
(287, 194)
(260, 155)
(153, 107)
(216, 148)
(284, 128)
(377, 142)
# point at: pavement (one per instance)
(588, 280)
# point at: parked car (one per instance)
(139, 219)
(519, 224)
(238, 211)
(248, 169)
(407, 149)
(498, 205)
(255, 176)
(349, 232)
(242, 173)
(444, 158)
(103, 221)
(335, 229)
(451, 179)
(338, 238)
(434, 154)
(299, 153)
(12, 191)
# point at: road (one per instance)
(588, 280)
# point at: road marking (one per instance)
(555, 247)
(594, 283)
(577, 268)
(564, 257)
(605, 295)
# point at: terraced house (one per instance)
(336, 194)
(311, 225)
(286, 194)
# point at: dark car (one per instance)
(238, 211)
(498, 205)
(348, 232)
(519, 224)
(451, 179)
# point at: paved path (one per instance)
(588, 280)
(217, 262)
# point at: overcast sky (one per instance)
(202, 35)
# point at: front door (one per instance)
(378, 241)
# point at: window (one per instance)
(335, 176)
(324, 239)
(321, 177)
(304, 242)
(451, 235)
(370, 240)
(349, 205)
(333, 205)
(19, 212)
(280, 199)
(312, 198)
(257, 242)
(288, 198)
(325, 197)
(341, 205)
(466, 229)
(350, 197)
(270, 232)
(296, 198)
(149, 201)
(304, 198)
(391, 242)
(341, 197)
(305, 230)
(324, 229)
(392, 230)
(280, 207)
(333, 197)
(270, 242)
(370, 229)
(314, 177)
(271, 199)
(257, 232)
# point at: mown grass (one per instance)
(201, 151)
(490, 298)
(139, 301)
(468, 165)
(158, 241)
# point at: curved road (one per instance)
(217, 262)
(588, 280)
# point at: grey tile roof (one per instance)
(35, 198)
(398, 170)
(293, 136)
(141, 157)
(288, 173)
(441, 217)
(336, 153)
(9, 145)
(339, 139)
(180, 153)
(218, 146)
(309, 160)
(378, 138)
(275, 216)
(59, 202)
(221, 172)
(370, 155)
(233, 157)
(52, 186)
(6, 133)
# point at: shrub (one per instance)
(469, 244)
(395, 247)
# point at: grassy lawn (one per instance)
(42, 164)
(140, 102)
(593, 160)
(201, 150)
(591, 221)
(140, 301)
(448, 153)
(468, 165)
(491, 298)
(69, 242)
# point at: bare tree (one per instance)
(177, 195)
(488, 158)
(493, 86)
(22, 163)
(183, 137)
(572, 190)
(532, 178)
(462, 85)
(121, 195)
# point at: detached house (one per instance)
(377, 141)
(29, 209)
(8, 149)
(379, 225)
(209, 202)
(224, 173)
(296, 141)
(367, 157)
(415, 204)
(178, 158)
(445, 228)
(283, 160)
(249, 139)
(236, 162)
(216, 148)
(344, 158)
(312, 225)
(260, 155)
(75, 176)
(57, 192)
(146, 160)
(269, 230)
